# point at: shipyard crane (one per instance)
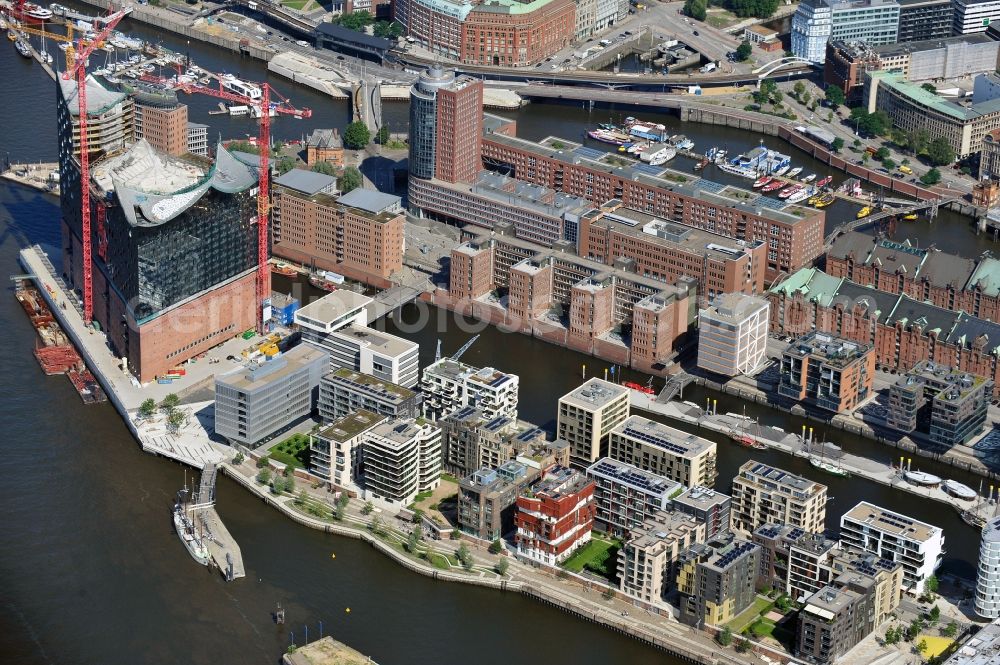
(465, 347)
(76, 67)
(263, 107)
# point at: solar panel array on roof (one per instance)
(499, 381)
(630, 476)
(796, 533)
(529, 434)
(648, 169)
(590, 153)
(465, 412)
(733, 554)
(768, 202)
(769, 531)
(710, 186)
(496, 423)
(655, 440)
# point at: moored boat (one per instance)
(829, 467)
(794, 172)
(782, 171)
(741, 171)
(809, 178)
(284, 269)
(760, 182)
(864, 212)
(776, 184)
(922, 478)
(911, 217)
(823, 200)
(788, 191)
(800, 195)
(22, 48)
(186, 532)
(972, 519)
(825, 181)
(649, 390)
(958, 490)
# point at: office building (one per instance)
(715, 581)
(707, 506)
(446, 123)
(918, 546)
(627, 496)
(972, 16)
(793, 234)
(651, 446)
(401, 458)
(987, 600)
(449, 386)
(555, 516)
(764, 494)
(162, 122)
(335, 452)
(831, 373)
(592, 298)
(499, 33)
(336, 323)
(818, 21)
(325, 145)
(647, 562)
(586, 417)
(487, 499)
(358, 235)
(344, 391)
(945, 404)
(174, 245)
(920, 20)
(732, 334)
(254, 403)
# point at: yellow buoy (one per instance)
(348, 610)
(333, 556)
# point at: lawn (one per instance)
(297, 5)
(293, 451)
(762, 628)
(598, 556)
(720, 18)
(750, 614)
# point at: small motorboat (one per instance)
(958, 490)
(782, 171)
(760, 182)
(864, 212)
(825, 181)
(794, 172)
(824, 200)
(911, 217)
(922, 478)
(800, 195)
(809, 178)
(772, 186)
(788, 191)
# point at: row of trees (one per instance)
(698, 9)
(361, 19)
(168, 407)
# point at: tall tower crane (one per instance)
(263, 107)
(76, 67)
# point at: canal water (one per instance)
(90, 567)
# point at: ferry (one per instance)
(741, 171)
(242, 88)
(186, 532)
(809, 178)
(825, 181)
(823, 200)
(794, 172)
(31, 13)
(763, 180)
(958, 490)
(864, 212)
(829, 467)
(648, 390)
(922, 478)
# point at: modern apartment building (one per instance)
(972, 16)
(450, 386)
(110, 120)
(732, 334)
(359, 234)
(647, 562)
(920, 20)
(715, 581)
(555, 516)
(197, 139)
(401, 458)
(916, 545)
(487, 499)
(446, 124)
(627, 496)
(651, 446)
(336, 453)
(337, 322)
(763, 494)
(946, 404)
(707, 506)
(987, 600)
(904, 331)
(162, 122)
(818, 21)
(801, 578)
(254, 403)
(473, 442)
(831, 373)
(586, 417)
(345, 390)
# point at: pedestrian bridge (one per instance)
(854, 224)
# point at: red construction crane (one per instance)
(263, 106)
(76, 67)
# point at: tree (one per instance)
(725, 637)
(922, 646)
(300, 500)
(931, 585)
(238, 459)
(929, 87)
(496, 546)
(413, 540)
(932, 177)
(289, 481)
(744, 50)
(262, 462)
(950, 630)
(418, 516)
(264, 476)
(835, 96)
(388, 30)
(367, 508)
(743, 645)
(382, 136)
(798, 89)
(463, 553)
(608, 593)
(914, 629)
(351, 179)
(939, 152)
(285, 164)
(356, 136)
(805, 98)
(169, 403)
(356, 21)
(174, 420)
(882, 153)
(776, 98)
(502, 566)
(899, 138)
(837, 144)
(696, 9)
(889, 163)
(147, 408)
(377, 526)
(918, 140)
(892, 635)
(277, 485)
(934, 615)
(755, 8)
(326, 168)
(876, 124)
(783, 603)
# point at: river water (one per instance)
(92, 572)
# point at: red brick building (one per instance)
(902, 330)
(459, 131)
(555, 516)
(162, 122)
(793, 238)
